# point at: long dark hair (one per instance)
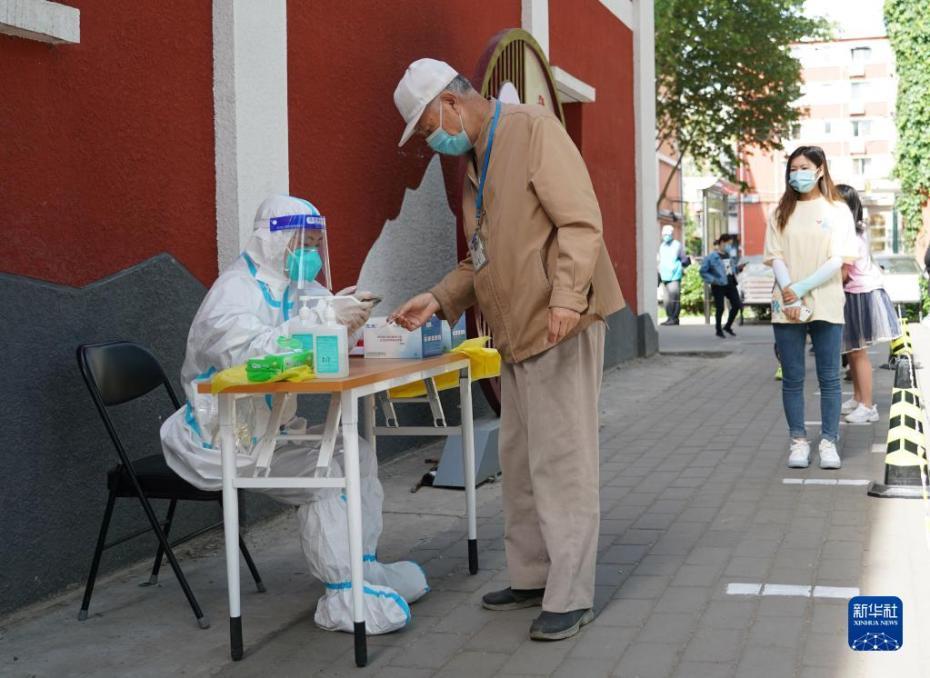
(790, 198)
(851, 196)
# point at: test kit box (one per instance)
(453, 335)
(391, 341)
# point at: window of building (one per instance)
(861, 128)
(796, 130)
(860, 55)
(859, 90)
(827, 127)
(861, 166)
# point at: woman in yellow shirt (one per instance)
(809, 238)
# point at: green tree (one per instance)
(692, 233)
(908, 25)
(692, 291)
(725, 76)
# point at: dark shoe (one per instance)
(512, 599)
(721, 334)
(671, 322)
(729, 331)
(559, 625)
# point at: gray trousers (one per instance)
(550, 462)
(672, 299)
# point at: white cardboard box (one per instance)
(391, 341)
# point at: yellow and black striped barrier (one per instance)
(903, 344)
(901, 347)
(906, 448)
(907, 399)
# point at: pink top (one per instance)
(864, 275)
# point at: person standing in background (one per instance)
(809, 238)
(672, 262)
(719, 270)
(870, 317)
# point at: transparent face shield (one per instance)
(306, 258)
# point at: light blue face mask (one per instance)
(306, 261)
(803, 181)
(731, 250)
(667, 238)
(449, 144)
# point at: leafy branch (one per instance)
(908, 25)
(725, 76)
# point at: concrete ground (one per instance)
(694, 501)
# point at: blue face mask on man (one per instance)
(449, 144)
(667, 237)
(304, 263)
(803, 181)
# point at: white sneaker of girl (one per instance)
(829, 457)
(863, 415)
(849, 406)
(800, 453)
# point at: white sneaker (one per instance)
(849, 406)
(800, 453)
(863, 415)
(829, 457)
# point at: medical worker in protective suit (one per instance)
(250, 305)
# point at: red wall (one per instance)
(589, 42)
(108, 153)
(342, 70)
(762, 173)
(106, 147)
(343, 67)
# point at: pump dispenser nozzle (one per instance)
(304, 311)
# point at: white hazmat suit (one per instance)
(242, 316)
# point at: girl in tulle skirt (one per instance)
(870, 318)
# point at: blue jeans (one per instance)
(790, 341)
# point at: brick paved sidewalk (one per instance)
(693, 501)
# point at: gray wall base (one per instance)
(55, 450)
(628, 337)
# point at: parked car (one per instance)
(902, 279)
(755, 283)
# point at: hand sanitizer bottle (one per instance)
(305, 327)
(330, 346)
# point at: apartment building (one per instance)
(848, 104)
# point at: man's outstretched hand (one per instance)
(416, 312)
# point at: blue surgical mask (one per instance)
(448, 144)
(803, 181)
(667, 238)
(309, 257)
(731, 250)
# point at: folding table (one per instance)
(367, 377)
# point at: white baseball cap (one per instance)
(423, 81)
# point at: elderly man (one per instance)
(539, 270)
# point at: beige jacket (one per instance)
(542, 233)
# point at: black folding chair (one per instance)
(117, 372)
